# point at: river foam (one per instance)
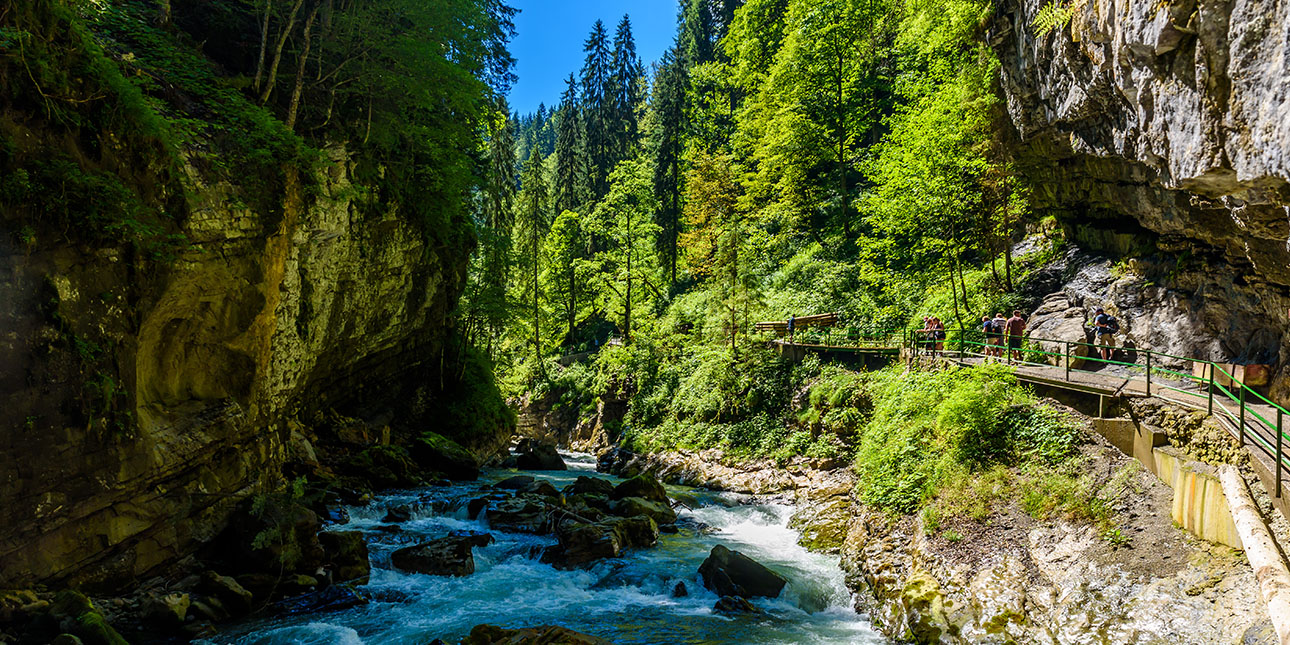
(625, 600)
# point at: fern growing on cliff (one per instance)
(1055, 15)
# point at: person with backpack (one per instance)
(792, 322)
(1015, 326)
(1000, 324)
(1105, 327)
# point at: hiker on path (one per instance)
(938, 334)
(1015, 326)
(925, 334)
(1105, 327)
(792, 322)
(987, 328)
(1000, 323)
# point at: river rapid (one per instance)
(625, 600)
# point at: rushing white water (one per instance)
(626, 600)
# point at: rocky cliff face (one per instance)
(1162, 130)
(141, 405)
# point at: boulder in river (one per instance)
(167, 610)
(446, 556)
(660, 512)
(731, 573)
(535, 455)
(233, 597)
(346, 555)
(734, 605)
(90, 625)
(643, 486)
(584, 542)
(515, 483)
(398, 513)
(521, 514)
(545, 635)
(584, 485)
(436, 452)
(333, 598)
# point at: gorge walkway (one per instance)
(1216, 389)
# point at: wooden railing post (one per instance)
(1211, 389)
(1148, 372)
(1279, 415)
(1242, 413)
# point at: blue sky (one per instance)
(548, 45)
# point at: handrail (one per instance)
(1246, 417)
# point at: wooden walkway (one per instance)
(1256, 426)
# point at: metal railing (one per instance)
(845, 338)
(1245, 413)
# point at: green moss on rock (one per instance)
(433, 451)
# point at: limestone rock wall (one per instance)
(1164, 129)
(144, 397)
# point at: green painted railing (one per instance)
(1148, 367)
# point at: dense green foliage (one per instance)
(793, 158)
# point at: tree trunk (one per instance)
(537, 322)
(294, 109)
(842, 149)
(734, 291)
(163, 14)
(277, 52)
(573, 303)
(1261, 550)
(627, 309)
(264, 41)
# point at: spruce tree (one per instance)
(569, 163)
(668, 150)
(696, 32)
(531, 225)
(626, 92)
(596, 107)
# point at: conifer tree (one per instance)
(596, 107)
(696, 32)
(667, 145)
(626, 92)
(531, 227)
(570, 175)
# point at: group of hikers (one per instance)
(1003, 336)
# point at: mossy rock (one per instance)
(925, 608)
(384, 467)
(91, 626)
(433, 451)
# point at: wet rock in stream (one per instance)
(545, 635)
(535, 455)
(581, 543)
(447, 556)
(731, 573)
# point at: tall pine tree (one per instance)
(667, 145)
(531, 228)
(625, 89)
(570, 163)
(597, 109)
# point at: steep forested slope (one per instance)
(226, 228)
